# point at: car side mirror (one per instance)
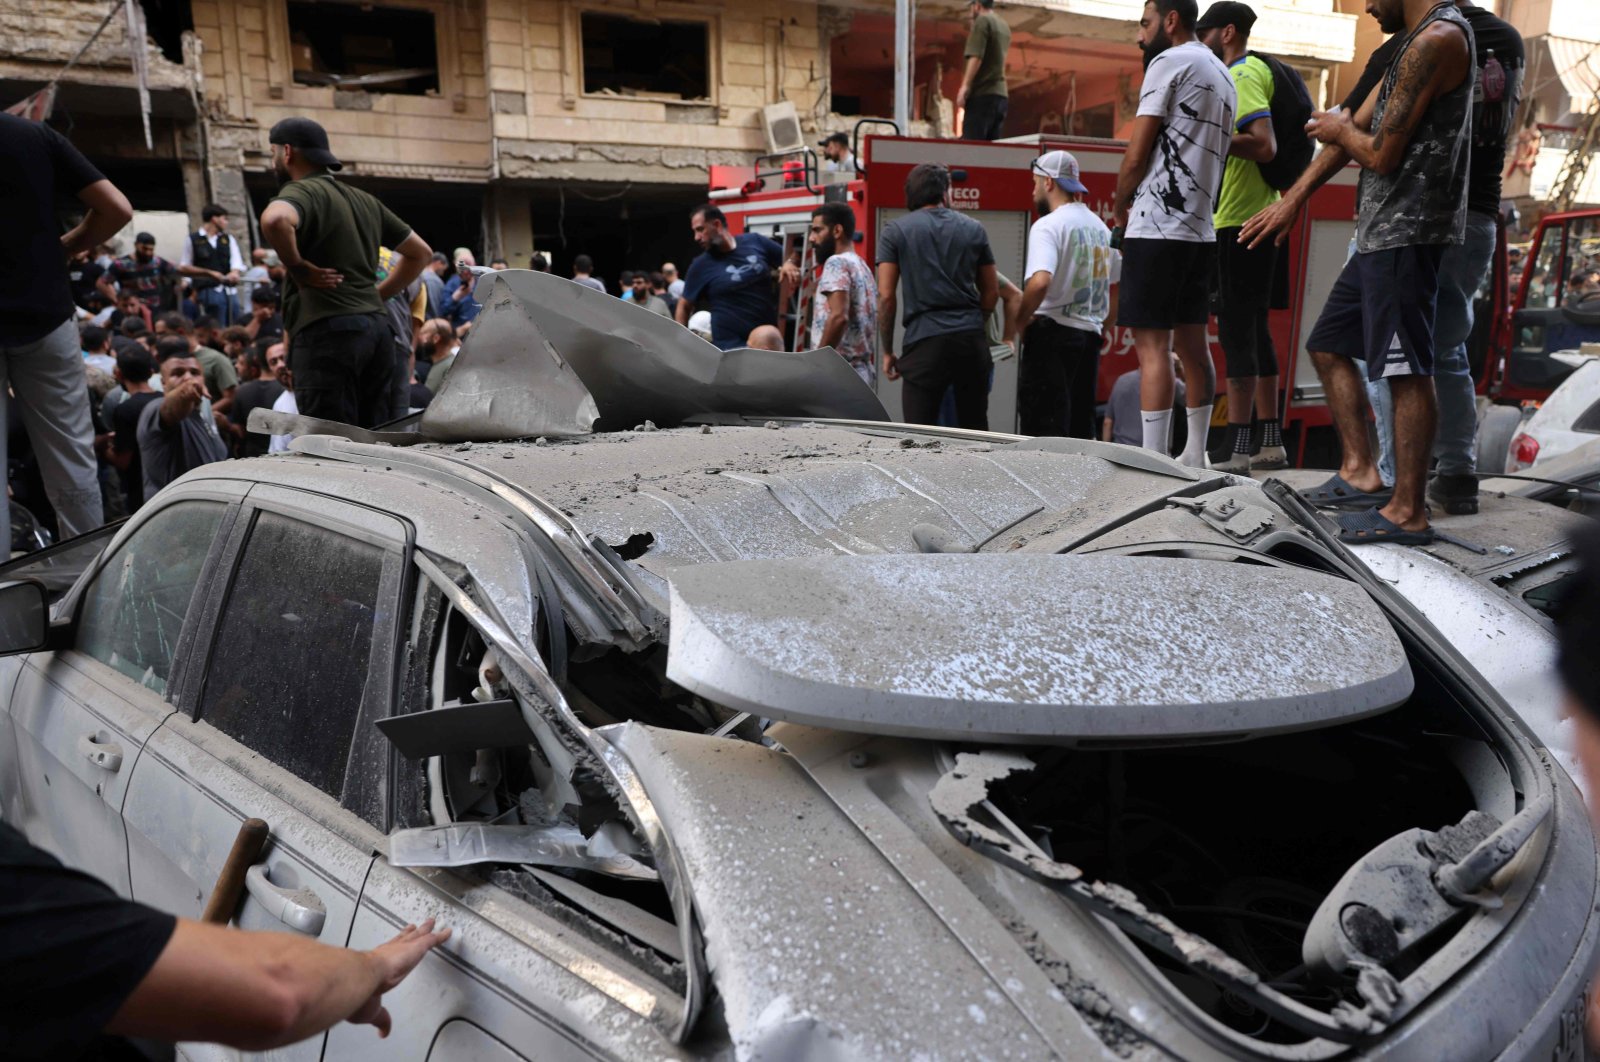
(24, 617)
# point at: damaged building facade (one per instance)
(564, 126)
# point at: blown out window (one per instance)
(650, 59)
(374, 49)
(289, 668)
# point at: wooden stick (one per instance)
(246, 850)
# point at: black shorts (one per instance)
(1165, 283)
(1244, 298)
(1381, 310)
(1244, 275)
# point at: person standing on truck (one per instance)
(1411, 138)
(734, 275)
(1500, 60)
(982, 97)
(1071, 272)
(943, 260)
(327, 234)
(837, 156)
(1168, 182)
(1244, 274)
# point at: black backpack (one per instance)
(1291, 109)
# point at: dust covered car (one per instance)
(770, 737)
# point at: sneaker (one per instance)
(1237, 464)
(1269, 458)
(1456, 495)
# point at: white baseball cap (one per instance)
(1062, 167)
(700, 323)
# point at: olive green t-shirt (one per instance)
(988, 42)
(219, 371)
(340, 228)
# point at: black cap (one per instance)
(144, 237)
(308, 137)
(1227, 13)
(834, 138)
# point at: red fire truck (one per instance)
(992, 183)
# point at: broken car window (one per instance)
(289, 667)
(134, 609)
(532, 818)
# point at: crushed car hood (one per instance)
(802, 915)
(1031, 648)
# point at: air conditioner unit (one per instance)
(782, 127)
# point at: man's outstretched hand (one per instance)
(395, 959)
(1275, 221)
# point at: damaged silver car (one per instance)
(766, 736)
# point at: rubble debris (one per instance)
(965, 788)
(465, 843)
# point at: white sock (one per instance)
(1157, 430)
(1194, 451)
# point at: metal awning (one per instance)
(1577, 63)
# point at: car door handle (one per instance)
(299, 909)
(101, 751)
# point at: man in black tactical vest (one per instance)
(212, 260)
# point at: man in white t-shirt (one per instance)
(1177, 150)
(1066, 299)
(211, 259)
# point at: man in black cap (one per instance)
(327, 235)
(1245, 274)
(836, 151)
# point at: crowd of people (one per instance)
(1217, 169)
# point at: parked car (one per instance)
(1567, 419)
(587, 634)
(765, 738)
(1570, 480)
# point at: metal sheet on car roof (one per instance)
(1030, 648)
(547, 356)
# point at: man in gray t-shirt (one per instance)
(940, 262)
(1123, 423)
(177, 434)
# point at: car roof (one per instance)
(724, 493)
(675, 502)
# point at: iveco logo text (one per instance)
(964, 198)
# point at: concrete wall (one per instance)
(249, 85)
(547, 128)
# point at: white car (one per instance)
(1566, 420)
(765, 739)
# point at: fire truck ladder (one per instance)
(1586, 139)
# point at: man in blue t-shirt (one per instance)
(733, 277)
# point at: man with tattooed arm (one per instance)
(1411, 139)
